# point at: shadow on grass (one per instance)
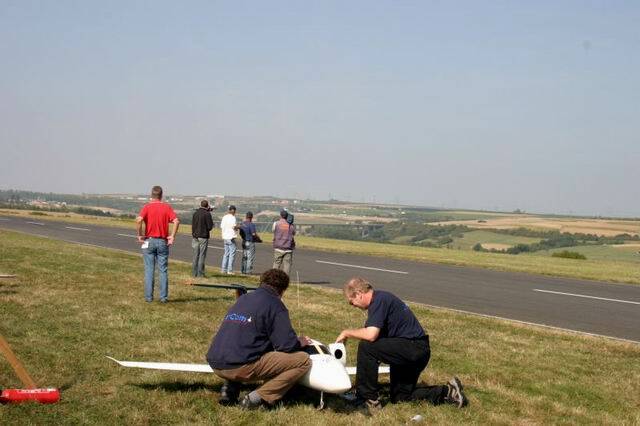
(179, 386)
(202, 299)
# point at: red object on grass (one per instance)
(43, 396)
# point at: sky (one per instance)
(497, 105)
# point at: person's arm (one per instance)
(208, 221)
(139, 221)
(369, 334)
(174, 230)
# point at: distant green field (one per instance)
(605, 253)
(472, 238)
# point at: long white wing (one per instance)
(381, 370)
(172, 366)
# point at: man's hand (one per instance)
(304, 340)
(140, 239)
(342, 337)
(170, 239)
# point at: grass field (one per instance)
(472, 238)
(606, 227)
(606, 253)
(71, 305)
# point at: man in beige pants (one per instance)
(256, 342)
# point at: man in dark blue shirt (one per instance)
(392, 335)
(249, 240)
(256, 342)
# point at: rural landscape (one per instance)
(319, 213)
(69, 306)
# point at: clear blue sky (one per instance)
(530, 105)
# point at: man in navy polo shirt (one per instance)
(256, 342)
(392, 335)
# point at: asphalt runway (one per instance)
(606, 309)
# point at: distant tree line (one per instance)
(555, 239)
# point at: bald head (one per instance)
(357, 285)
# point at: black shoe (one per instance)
(246, 403)
(229, 393)
(455, 395)
(368, 407)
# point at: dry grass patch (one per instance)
(605, 227)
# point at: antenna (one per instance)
(298, 307)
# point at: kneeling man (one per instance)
(256, 342)
(392, 335)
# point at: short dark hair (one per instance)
(156, 192)
(276, 279)
(204, 203)
(250, 214)
(232, 207)
(284, 213)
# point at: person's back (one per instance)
(201, 223)
(256, 324)
(228, 229)
(256, 342)
(393, 317)
(283, 235)
(156, 216)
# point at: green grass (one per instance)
(623, 268)
(603, 253)
(472, 238)
(71, 305)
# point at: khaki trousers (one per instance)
(282, 260)
(279, 371)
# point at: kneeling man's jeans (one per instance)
(156, 253)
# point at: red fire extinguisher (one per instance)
(43, 396)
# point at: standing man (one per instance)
(256, 342)
(228, 227)
(249, 240)
(392, 335)
(283, 243)
(201, 225)
(156, 240)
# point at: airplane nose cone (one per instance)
(327, 374)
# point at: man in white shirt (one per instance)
(228, 227)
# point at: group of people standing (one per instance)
(152, 225)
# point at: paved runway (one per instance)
(587, 306)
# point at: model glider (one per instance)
(328, 372)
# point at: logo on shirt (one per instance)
(238, 318)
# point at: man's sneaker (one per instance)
(455, 394)
(229, 393)
(246, 403)
(368, 407)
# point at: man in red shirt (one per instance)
(156, 240)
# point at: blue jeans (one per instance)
(156, 253)
(199, 246)
(248, 256)
(229, 255)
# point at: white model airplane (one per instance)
(329, 372)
